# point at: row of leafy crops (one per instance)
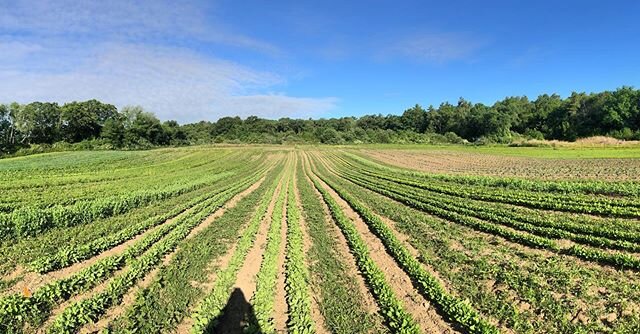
(36, 192)
(69, 255)
(27, 221)
(457, 310)
(456, 212)
(91, 309)
(398, 319)
(16, 309)
(548, 201)
(596, 187)
(297, 274)
(338, 297)
(533, 223)
(266, 280)
(209, 310)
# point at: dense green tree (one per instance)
(613, 113)
(7, 130)
(415, 118)
(38, 122)
(174, 132)
(519, 110)
(84, 120)
(330, 136)
(113, 132)
(543, 106)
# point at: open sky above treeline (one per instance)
(202, 60)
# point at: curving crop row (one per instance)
(297, 275)
(456, 310)
(529, 224)
(616, 236)
(73, 254)
(398, 320)
(27, 221)
(88, 310)
(16, 309)
(547, 201)
(264, 296)
(620, 260)
(210, 309)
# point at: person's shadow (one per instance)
(237, 317)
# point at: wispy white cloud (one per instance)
(124, 52)
(125, 19)
(173, 83)
(12, 50)
(434, 47)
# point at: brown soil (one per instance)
(245, 284)
(414, 303)
(452, 162)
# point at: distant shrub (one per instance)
(453, 138)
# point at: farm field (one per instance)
(352, 239)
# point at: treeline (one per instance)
(96, 124)
(89, 124)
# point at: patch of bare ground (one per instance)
(129, 298)
(472, 163)
(414, 303)
(246, 279)
(316, 315)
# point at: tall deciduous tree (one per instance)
(84, 120)
(38, 122)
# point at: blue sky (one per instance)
(201, 60)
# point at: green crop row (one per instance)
(297, 274)
(529, 223)
(264, 297)
(587, 226)
(87, 310)
(25, 222)
(607, 258)
(560, 202)
(457, 310)
(182, 282)
(547, 201)
(398, 320)
(338, 298)
(16, 309)
(73, 254)
(210, 309)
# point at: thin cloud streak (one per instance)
(122, 19)
(435, 48)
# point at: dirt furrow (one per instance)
(246, 279)
(216, 266)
